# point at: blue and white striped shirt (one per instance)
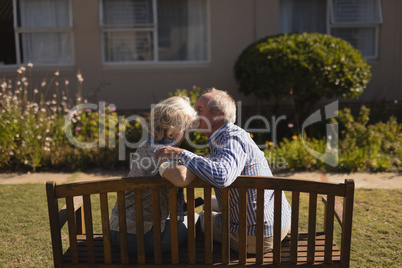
(234, 153)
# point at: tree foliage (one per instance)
(307, 66)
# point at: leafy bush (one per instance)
(33, 128)
(305, 67)
(374, 147)
(361, 147)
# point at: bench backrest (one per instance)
(78, 206)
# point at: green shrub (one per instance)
(361, 147)
(369, 147)
(304, 67)
(33, 133)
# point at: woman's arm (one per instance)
(177, 174)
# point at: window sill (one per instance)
(160, 66)
(36, 68)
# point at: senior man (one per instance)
(232, 153)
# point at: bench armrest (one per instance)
(338, 208)
(78, 203)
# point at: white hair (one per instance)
(172, 116)
(222, 102)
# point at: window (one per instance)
(154, 31)
(38, 31)
(356, 21)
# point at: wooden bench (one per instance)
(89, 249)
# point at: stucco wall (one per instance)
(234, 25)
(386, 82)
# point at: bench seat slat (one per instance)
(72, 230)
(329, 227)
(200, 260)
(139, 226)
(173, 226)
(312, 212)
(89, 228)
(208, 225)
(277, 225)
(294, 226)
(121, 203)
(260, 226)
(242, 226)
(105, 227)
(225, 226)
(191, 225)
(156, 226)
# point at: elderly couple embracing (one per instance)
(232, 153)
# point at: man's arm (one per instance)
(221, 171)
(179, 175)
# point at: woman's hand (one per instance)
(168, 152)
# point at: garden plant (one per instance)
(302, 68)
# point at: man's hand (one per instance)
(168, 152)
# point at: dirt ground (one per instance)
(362, 180)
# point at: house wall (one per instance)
(235, 25)
(137, 86)
(386, 82)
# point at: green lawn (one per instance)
(25, 236)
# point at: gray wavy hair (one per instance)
(171, 117)
(222, 102)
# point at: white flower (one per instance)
(56, 73)
(80, 78)
(30, 65)
(39, 137)
(26, 162)
(43, 84)
(36, 91)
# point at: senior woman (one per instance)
(170, 119)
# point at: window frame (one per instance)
(331, 24)
(155, 47)
(21, 30)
